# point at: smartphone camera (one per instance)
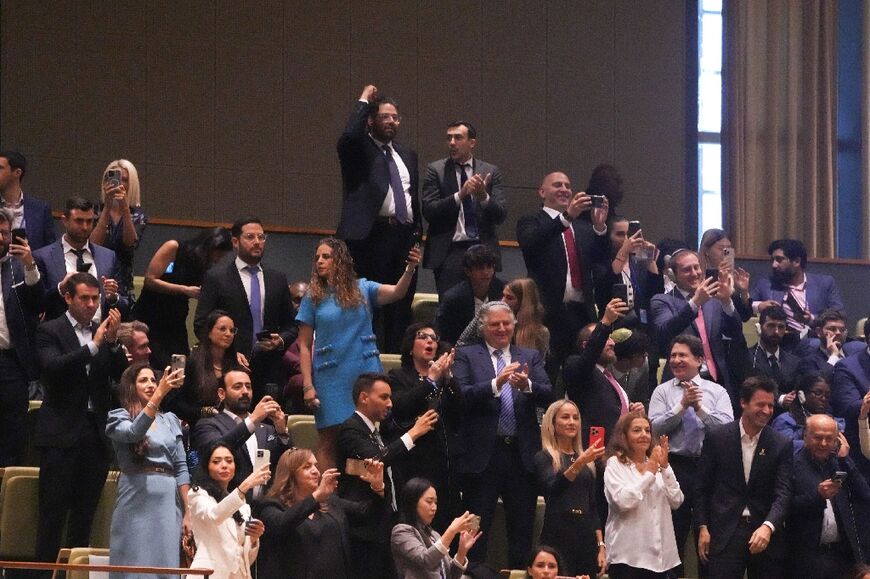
(597, 201)
(633, 227)
(18, 235)
(113, 177)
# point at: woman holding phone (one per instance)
(715, 255)
(227, 538)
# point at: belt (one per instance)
(506, 440)
(391, 221)
(145, 469)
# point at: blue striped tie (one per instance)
(507, 422)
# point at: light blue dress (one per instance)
(344, 347)
(146, 522)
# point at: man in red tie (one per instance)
(560, 244)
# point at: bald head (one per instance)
(555, 191)
(820, 436)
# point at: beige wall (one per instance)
(229, 105)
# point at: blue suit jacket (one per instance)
(52, 268)
(38, 223)
(22, 305)
(822, 293)
(474, 372)
(848, 387)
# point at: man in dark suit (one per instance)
(30, 214)
(360, 438)
(848, 389)
(79, 361)
(457, 307)
(560, 249)
(502, 385)
(463, 202)
(380, 214)
(768, 359)
(242, 429)
(823, 532)
(257, 299)
(743, 490)
(802, 295)
(699, 307)
(73, 253)
(820, 354)
(20, 305)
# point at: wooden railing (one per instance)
(37, 566)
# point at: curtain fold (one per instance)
(865, 137)
(779, 126)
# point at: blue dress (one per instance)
(344, 347)
(146, 522)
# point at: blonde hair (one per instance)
(343, 279)
(548, 434)
(530, 331)
(133, 195)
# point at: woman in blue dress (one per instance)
(152, 490)
(336, 341)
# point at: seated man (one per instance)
(768, 359)
(820, 355)
(461, 302)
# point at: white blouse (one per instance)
(639, 530)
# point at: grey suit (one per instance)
(416, 561)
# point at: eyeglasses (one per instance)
(253, 236)
(389, 117)
(427, 336)
(835, 329)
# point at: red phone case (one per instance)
(596, 433)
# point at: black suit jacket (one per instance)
(540, 238)
(362, 164)
(722, 491)
(456, 308)
(38, 223)
(22, 304)
(787, 374)
(442, 212)
(68, 384)
(807, 510)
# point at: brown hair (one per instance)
(618, 446)
(530, 331)
(343, 279)
(129, 399)
(284, 487)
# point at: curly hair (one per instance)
(342, 280)
(129, 398)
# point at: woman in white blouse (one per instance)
(641, 490)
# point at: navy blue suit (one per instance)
(814, 361)
(38, 223)
(494, 465)
(822, 293)
(456, 308)
(848, 387)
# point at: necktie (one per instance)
(256, 307)
(705, 341)
(80, 258)
(623, 401)
(507, 422)
(774, 365)
(396, 186)
(388, 471)
(469, 207)
(691, 432)
(573, 259)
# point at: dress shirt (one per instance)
(406, 438)
(31, 278)
(727, 308)
(864, 437)
(17, 211)
(459, 234)
(246, 281)
(829, 534)
(666, 411)
(70, 258)
(571, 293)
(85, 337)
(388, 207)
(506, 356)
(748, 444)
(639, 530)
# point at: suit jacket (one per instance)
(442, 212)
(822, 293)
(39, 223)
(814, 361)
(22, 305)
(220, 542)
(648, 284)
(672, 315)
(223, 427)
(364, 186)
(68, 383)
(52, 268)
(587, 386)
(474, 371)
(722, 492)
(807, 510)
(540, 239)
(848, 387)
(787, 374)
(456, 308)
(222, 289)
(416, 561)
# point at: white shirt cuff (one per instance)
(409, 443)
(495, 391)
(769, 524)
(440, 546)
(249, 424)
(729, 308)
(31, 276)
(92, 348)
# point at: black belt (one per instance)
(466, 243)
(391, 221)
(149, 469)
(506, 440)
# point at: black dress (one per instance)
(571, 517)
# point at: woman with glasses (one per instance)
(212, 358)
(814, 397)
(338, 307)
(425, 381)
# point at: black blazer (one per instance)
(788, 367)
(456, 308)
(362, 163)
(540, 238)
(22, 304)
(222, 289)
(441, 210)
(68, 385)
(722, 491)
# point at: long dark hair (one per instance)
(194, 255)
(202, 480)
(408, 499)
(200, 357)
(544, 549)
(129, 398)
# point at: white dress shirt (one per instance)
(459, 234)
(388, 207)
(748, 444)
(70, 258)
(246, 281)
(31, 278)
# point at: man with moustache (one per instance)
(820, 356)
(769, 359)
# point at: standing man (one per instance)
(257, 299)
(79, 361)
(30, 214)
(380, 214)
(502, 385)
(743, 491)
(20, 305)
(560, 250)
(135, 342)
(463, 202)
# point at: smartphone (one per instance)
(714, 273)
(633, 227)
(264, 335)
(273, 390)
(84, 267)
(355, 466)
(18, 233)
(840, 476)
(620, 290)
(728, 256)
(433, 402)
(473, 524)
(113, 177)
(596, 433)
(598, 201)
(178, 362)
(418, 238)
(263, 456)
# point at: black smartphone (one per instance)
(598, 201)
(633, 227)
(620, 290)
(711, 272)
(273, 390)
(264, 335)
(83, 267)
(418, 238)
(840, 476)
(18, 233)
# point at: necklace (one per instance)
(572, 456)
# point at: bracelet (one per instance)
(150, 404)
(307, 389)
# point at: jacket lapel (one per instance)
(451, 186)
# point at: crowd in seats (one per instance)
(598, 414)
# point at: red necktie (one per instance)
(705, 341)
(623, 402)
(573, 260)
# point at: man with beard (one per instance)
(802, 295)
(769, 359)
(243, 430)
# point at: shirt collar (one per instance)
(469, 162)
(491, 349)
(20, 203)
(381, 144)
(67, 247)
(235, 417)
(74, 322)
(372, 425)
(744, 435)
(801, 286)
(696, 381)
(551, 212)
(241, 264)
